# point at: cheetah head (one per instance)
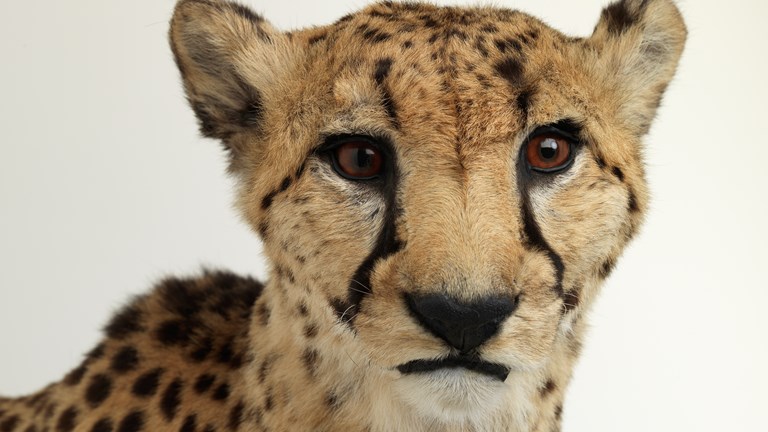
(441, 191)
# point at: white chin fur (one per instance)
(451, 395)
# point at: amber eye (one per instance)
(548, 152)
(358, 160)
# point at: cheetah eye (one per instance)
(548, 150)
(357, 158)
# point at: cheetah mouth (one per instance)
(494, 370)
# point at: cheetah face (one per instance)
(445, 188)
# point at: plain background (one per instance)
(105, 186)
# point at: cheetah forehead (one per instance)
(481, 74)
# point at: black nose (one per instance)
(463, 325)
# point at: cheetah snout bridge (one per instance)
(441, 192)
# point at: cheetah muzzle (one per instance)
(441, 192)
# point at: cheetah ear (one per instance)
(640, 43)
(230, 59)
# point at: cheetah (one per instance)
(441, 192)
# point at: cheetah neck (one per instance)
(307, 373)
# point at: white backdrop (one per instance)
(105, 186)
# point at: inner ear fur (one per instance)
(230, 58)
(640, 43)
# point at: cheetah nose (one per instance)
(464, 326)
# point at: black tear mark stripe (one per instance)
(387, 244)
(534, 238)
(537, 240)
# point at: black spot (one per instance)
(98, 390)
(103, 425)
(600, 162)
(269, 400)
(127, 359)
(125, 322)
(190, 424)
(383, 67)
(286, 183)
(310, 358)
(67, 420)
(547, 388)
(376, 36)
(265, 368)
(204, 382)
(146, 384)
(607, 268)
(618, 173)
(302, 309)
(179, 298)
(263, 228)
(511, 70)
(456, 33)
(480, 47)
(169, 404)
(226, 353)
(202, 350)
(310, 331)
(236, 416)
(343, 19)
(507, 44)
(407, 44)
(174, 332)
(632, 202)
(332, 400)
(378, 14)
(428, 21)
(558, 412)
(76, 375)
(222, 392)
(266, 202)
(10, 424)
(133, 422)
(317, 38)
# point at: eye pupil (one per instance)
(364, 158)
(548, 148)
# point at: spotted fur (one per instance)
(333, 340)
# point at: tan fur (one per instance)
(456, 91)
